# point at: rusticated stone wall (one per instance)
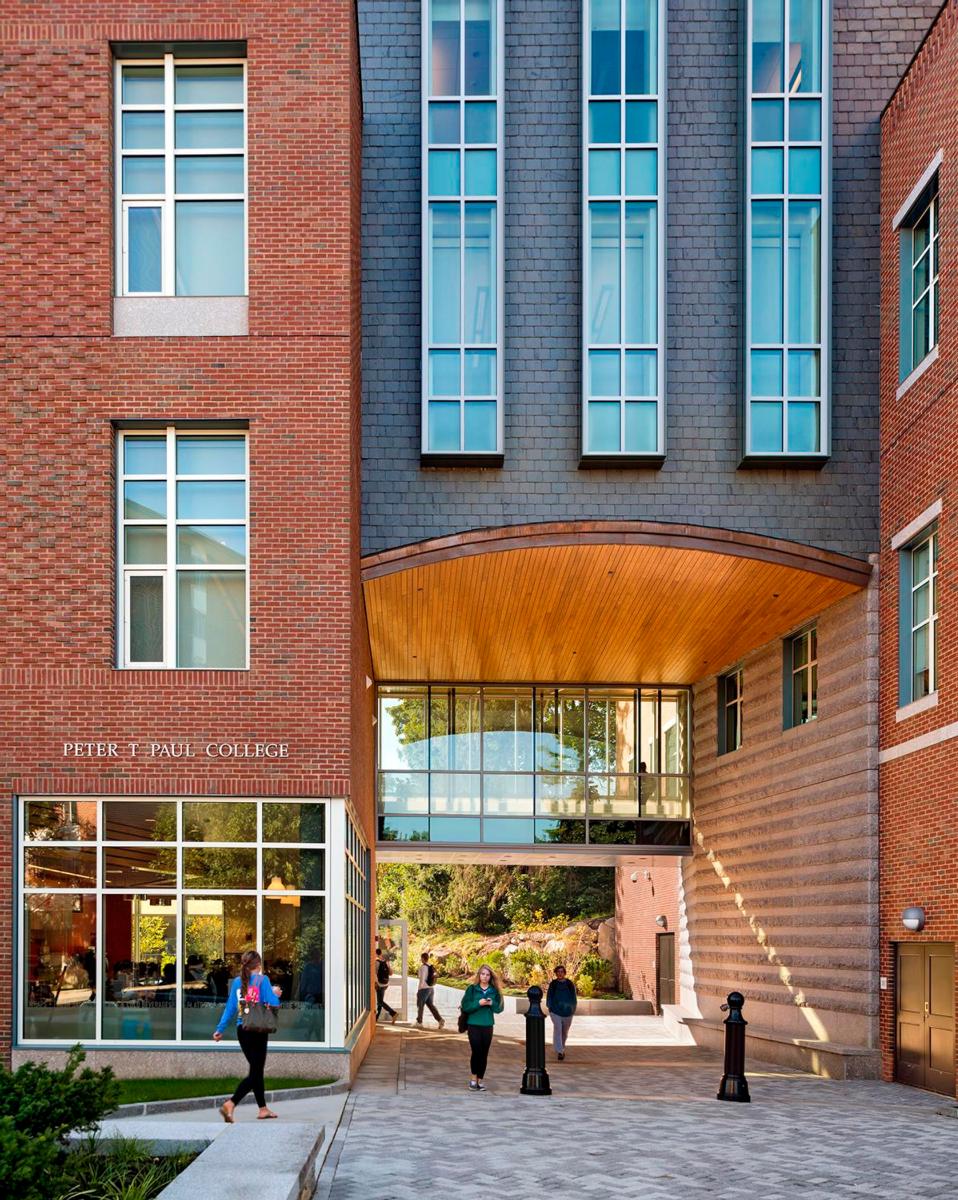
(781, 894)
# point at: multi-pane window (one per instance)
(182, 521)
(730, 690)
(918, 316)
(801, 678)
(787, 229)
(918, 659)
(135, 913)
(462, 172)
(357, 880)
(522, 765)
(623, 236)
(181, 177)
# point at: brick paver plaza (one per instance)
(632, 1115)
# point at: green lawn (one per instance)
(137, 1091)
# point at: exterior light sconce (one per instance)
(913, 919)
(662, 921)
(634, 877)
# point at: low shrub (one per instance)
(27, 1162)
(601, 971)
(41, 1101)
(38, 1108)
(585, 986)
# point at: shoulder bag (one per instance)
(256, 1016)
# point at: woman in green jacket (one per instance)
(483, 999)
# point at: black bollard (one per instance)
(734, 1085)
(535, 1078)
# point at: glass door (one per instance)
(392, 937)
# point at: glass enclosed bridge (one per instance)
(575, 768)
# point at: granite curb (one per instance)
(150, 1107)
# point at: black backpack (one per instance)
(431, 976)
(382, 972)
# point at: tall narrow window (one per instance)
(462, 173)
(623, 236)
(801, 678)
(918, 601)
(181, 177)
(787, 230)
(730, 691)
(918, 311)
(182, 521)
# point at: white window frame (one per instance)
(498, 346)
(911, 368)
(930, 539)
(333, 897)
(661, 98)
(824, 344)
(166, 201)
(168, 571)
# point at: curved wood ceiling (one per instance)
(591, 602)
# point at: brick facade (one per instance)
(66, 382)
(919, 466)
(645, 889)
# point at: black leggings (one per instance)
(480, 1039)
(254, 1046)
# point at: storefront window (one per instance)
(158, 899)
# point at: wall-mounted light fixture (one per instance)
(913, 918)
(634, 877)
(662, 921)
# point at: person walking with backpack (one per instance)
(561, 1001)
(483, 999)
(425, 996)
(252, 1002)
(382, 982)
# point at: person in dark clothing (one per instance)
(561, 1001)
(382, 982)
(483, 999)
(426, 993)
(249, 987)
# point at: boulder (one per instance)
(606, 939)
(554, 946)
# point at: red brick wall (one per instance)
(919, 465)
(653, 893)
(65, 380)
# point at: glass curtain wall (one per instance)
(358, 943)
(462, 172)
(624, 235)
(135, 914)
(787, 228)
(515, 766)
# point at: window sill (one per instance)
(783, 462)
(464, 459)
(181, 316)
(621, 462)
(930, 358)
(800, 724)
(916, 706)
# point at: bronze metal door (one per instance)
(665, 969)
(925, 1016)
